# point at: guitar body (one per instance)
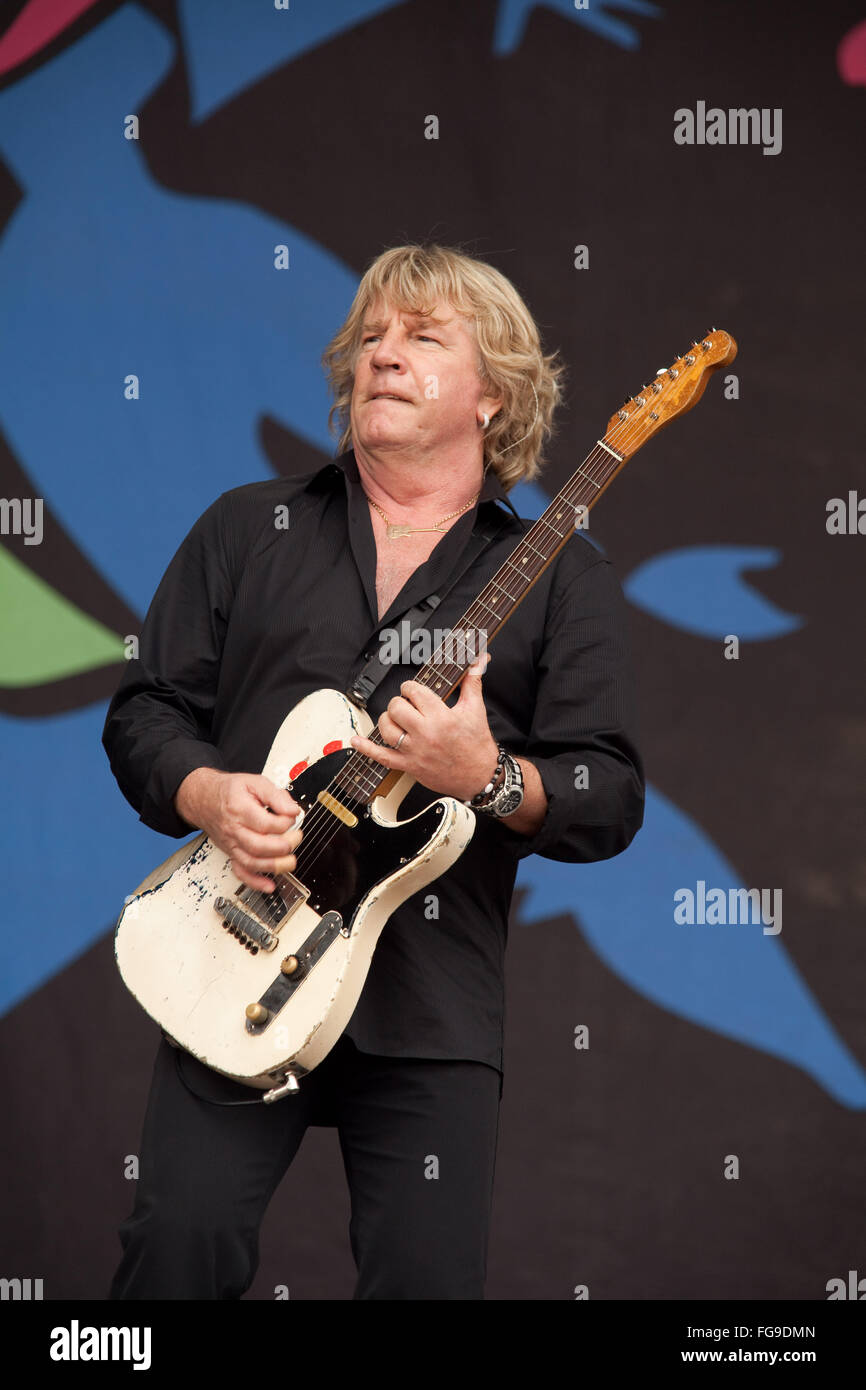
(196, 948)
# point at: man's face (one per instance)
(417, 380)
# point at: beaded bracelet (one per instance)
(483, 797)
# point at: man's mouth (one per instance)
(388, 396)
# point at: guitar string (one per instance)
(320, 824)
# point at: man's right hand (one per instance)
(233, 810)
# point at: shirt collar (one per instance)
(491, 489)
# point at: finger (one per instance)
(479, 665)
(389, 730)
(265, 847)
(419, 698)
(286, 865)
(388, 757)
(470, 686)
(261, 868)
(271, 795)
(251, 815)
(403, 713)
(257, 881)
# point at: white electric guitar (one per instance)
(259, 986)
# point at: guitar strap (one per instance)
(371, 675)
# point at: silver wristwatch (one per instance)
(502, 799)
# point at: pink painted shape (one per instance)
(851, 56)
(36, 25)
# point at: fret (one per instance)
(555, 529)
(521, 572)
(532, 547)
(489, 607)
(502, 589)
(601, 444)
(358, 778)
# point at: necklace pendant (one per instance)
(395, 532)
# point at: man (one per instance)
(444, 398)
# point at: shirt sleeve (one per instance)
(580, 739)
(158, 725)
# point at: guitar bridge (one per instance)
(250, 933)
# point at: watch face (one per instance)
(511, 803)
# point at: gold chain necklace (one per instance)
(396, 530)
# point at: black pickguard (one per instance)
(341, 864)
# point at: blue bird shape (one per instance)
(231, 45)
(732, 978)
(598, 16)
(701, 589)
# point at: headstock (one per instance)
(674, 390)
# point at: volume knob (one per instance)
(256, 1013)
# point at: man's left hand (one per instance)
(448, 749)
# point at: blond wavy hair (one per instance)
(511, 362)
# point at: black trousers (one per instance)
(418, 1140)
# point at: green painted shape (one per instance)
(44, 637)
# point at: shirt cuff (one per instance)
(576, 830)
(558, 787)
(176, 761)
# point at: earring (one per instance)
(486, 421)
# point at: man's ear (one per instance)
(490, 405)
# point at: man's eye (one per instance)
(425, 339)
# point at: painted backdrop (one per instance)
(683, 1113)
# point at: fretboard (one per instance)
(361, 778)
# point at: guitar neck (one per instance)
(477, 627)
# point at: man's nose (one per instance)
(388, 351)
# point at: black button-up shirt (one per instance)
(271, 596)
